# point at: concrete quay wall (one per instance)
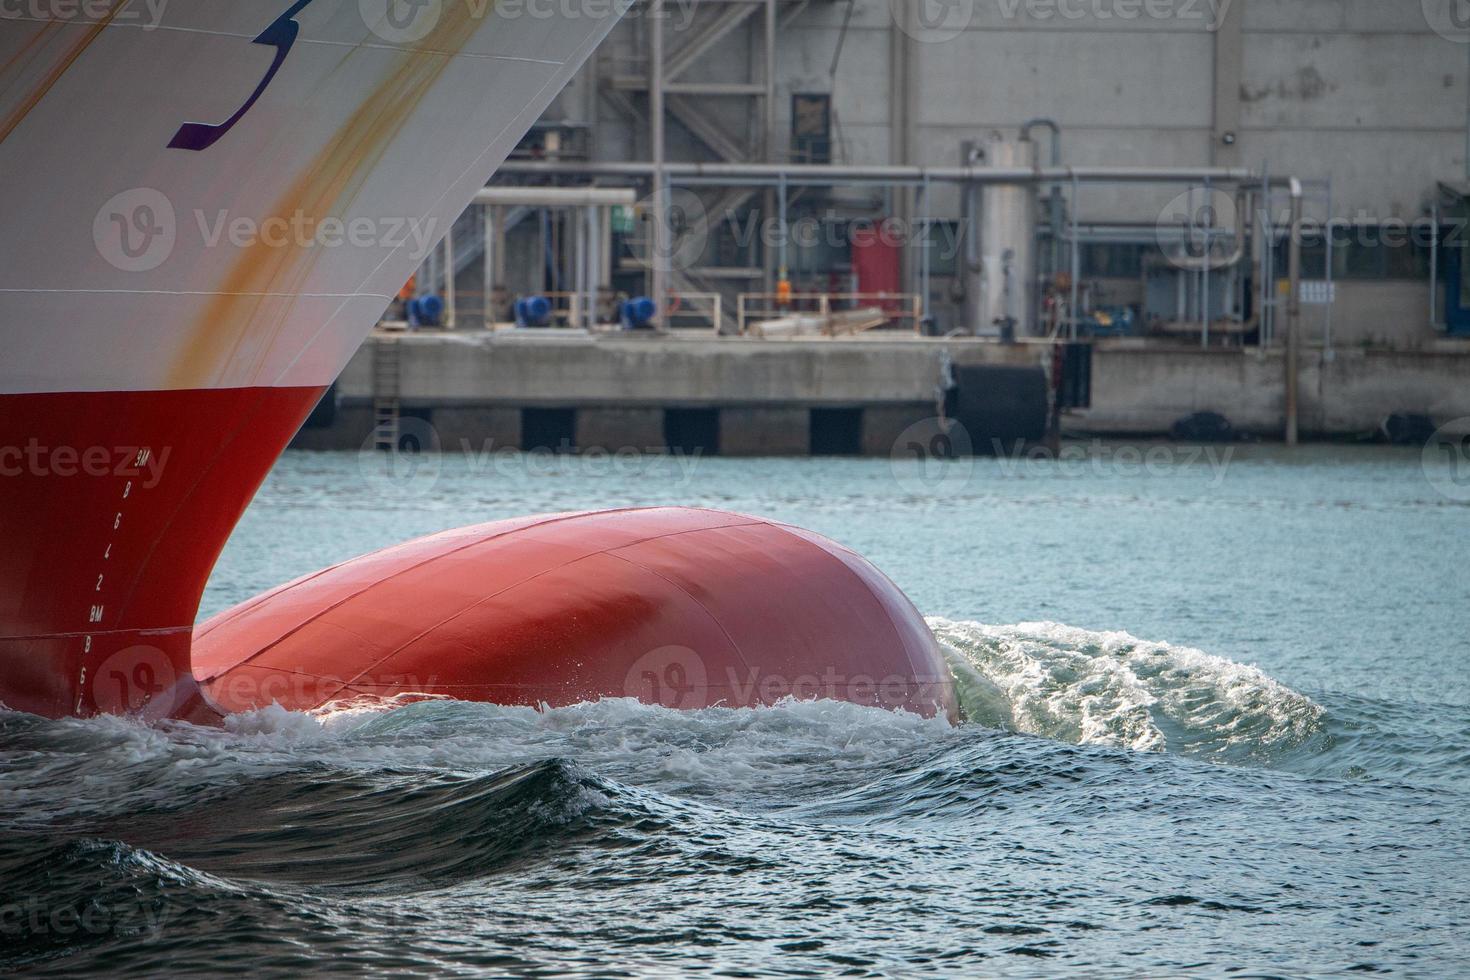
(859, 396)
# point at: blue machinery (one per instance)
(639, 313)
(533, 311)
(425, 311)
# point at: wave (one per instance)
(474, 837)
(1045, 679)
(1111, 688)
(430, 794)
(438, 791)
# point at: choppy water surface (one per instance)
(1219, 723)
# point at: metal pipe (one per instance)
(974, 272)
(974, 268)
(770, 86)
(1267, 231)
(1331, 289)
(751, 174)
(968, 258)
(449, 285)
(579, 263)
(1181, 298)
(1434, 267)
(785, 269)
(1240, 284)
(1205, 270)
(767, 254)
(1190, 277)
(1121, 235)
(594, 262)
(501, 230)
(924, 255)
(487, 213)
(661, 251)
(1032, 282)
(604, 252)
(1076, 265)
(1055, 198)
(557, 197)
(543, 243)
(1056, 136)
(1294, 315)
(903, 114)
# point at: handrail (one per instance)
(827, 304)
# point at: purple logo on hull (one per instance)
(281, 35)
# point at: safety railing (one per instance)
(827, 314)
(688, 312)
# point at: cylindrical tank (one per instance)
(1007, 223)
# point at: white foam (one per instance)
(1112, 688)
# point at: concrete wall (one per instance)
(474, 386)
(1142, 391)
(1362, 91)
(555, 368)
(1374, 314)
(472, 389)
(779, 431)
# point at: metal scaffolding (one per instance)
(673, 97)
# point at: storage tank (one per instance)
(1001, 279)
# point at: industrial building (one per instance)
(1249, 208)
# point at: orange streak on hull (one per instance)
(686, 608)
(32, 97)
(247, 307)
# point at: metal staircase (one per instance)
(690, 103)
(386, 387)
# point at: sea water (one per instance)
(1218, 722)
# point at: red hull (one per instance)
(113, 509)
(680, 607)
